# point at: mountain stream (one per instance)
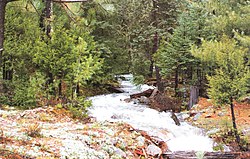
(113, 108)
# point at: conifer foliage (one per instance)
(53, 53)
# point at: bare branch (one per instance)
(65, 7)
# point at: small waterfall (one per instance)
(112, 107)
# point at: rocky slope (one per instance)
(51, 133)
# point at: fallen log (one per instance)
(206, 155)
(146, 93)
(155, 91)
(114, 89)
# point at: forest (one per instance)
(58, 53)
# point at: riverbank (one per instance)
(218, 123)
(51, 133)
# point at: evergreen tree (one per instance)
(232, 74)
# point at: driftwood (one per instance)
(146, 93)
(207, 155)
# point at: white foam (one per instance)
(112, 107)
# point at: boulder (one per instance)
(153, 150)
(161, 102)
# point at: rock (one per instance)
(127, 100)
(221, 114)
(140, 141)
(135, 101)
(197, 116)
(153, 150)
(161, 102)
(184, 116)
(246, 100)
(246, 132)
(144, 100)
(193, 113)
(119, 153)
(114, 116)
(163, 146)
(213, 131)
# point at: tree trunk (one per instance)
(50, 82)
(151, 69)
(149, 56)
(237, 137)
(60, 89)
(2, 17)
(48, 9)
(77, 89)
(7, 68)
(41, 20)
(156, 45)
(48, 14)
(159, 83)
(176, 82)
(194, 95)
(207, 155)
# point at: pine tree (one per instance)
(232, 73)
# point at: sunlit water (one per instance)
(112, 107)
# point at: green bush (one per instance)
(26, 92)
(78, 107)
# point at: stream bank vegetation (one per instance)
(58, 55)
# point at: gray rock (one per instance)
(221, 114)
(197, 116)
(144, 100)
(140, 140)
(127, 100)
(246, 131)
(135, 101)
(114, 116)
(153, 150)
(213, 131)
(184, 116)
(120, 153)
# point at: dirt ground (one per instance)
(219, 117)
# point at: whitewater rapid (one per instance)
(113, 108)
